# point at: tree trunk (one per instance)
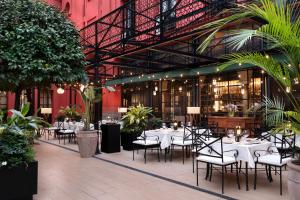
(17, 98)
(30, 99)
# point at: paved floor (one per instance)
(64, 175)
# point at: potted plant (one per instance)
(134, 123)
(154, 123)
(231, 108)
(18, 169)
(87, 139)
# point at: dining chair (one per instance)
(184, 141)
(272, 157)
(146, 142)
(212, 153)
(202, 133)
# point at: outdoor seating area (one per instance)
(207, 157)
(149, 99)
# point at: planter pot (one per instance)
(294, 180)
(19, 183)
(87, 143)
(110, 140)
(127, 139)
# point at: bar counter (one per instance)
(231, 122)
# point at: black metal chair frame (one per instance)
(198, 140)
(144, 138)
(217, 155)
(283, 153)
(185, 137)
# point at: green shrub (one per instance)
(15, 149)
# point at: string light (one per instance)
(181, 75)
(240, 64)
(60, 90)
(267, 56)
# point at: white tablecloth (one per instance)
(75, 126)
(165, 135)
(245, 149)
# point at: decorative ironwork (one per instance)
(150, 35)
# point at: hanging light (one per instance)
(154, 93)
(242, 91)
(82, 87)
(288, 89)
(60, 90)
(214, 82)
(156, 88)
(180, 89)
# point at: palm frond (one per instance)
(269, 64)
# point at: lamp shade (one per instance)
(193, 110)
(46, 110)
(122, 110)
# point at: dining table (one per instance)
(246, 150)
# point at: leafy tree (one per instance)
(38, 47)
(281, 32)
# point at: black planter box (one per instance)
(19, 183)
(110, 142)
(127, 139)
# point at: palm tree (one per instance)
(280, 32)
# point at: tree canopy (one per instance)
(38, 46)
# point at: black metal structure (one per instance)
(144, 36)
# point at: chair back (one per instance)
(212, 148)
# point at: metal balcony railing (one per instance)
(142, 23)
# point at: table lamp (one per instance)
(46, 112)
(122, 110)
(193, 111)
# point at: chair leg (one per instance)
(280, 171)
(171, 157)
(158, 153)
(240, 166)
(270, 174)
(207, 171)
(193, 157)
(223, 179)
(266, 167)
(231, 168)
(197, 172)
(237, 174)
(183, 154)
(145, 153)
(210, 168)
(255, 175)
(132, 151)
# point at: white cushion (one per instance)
(284, 146)
(273, 159)
(226, 160)
(182, 142)
(145, 142)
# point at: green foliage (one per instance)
(16, 136)
(15, 149)
(135, 120)
(280, 31)
(68, 112)
(90, 95)
(154, 123)
(38, 46)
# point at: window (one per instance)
(3, 100)
(129, 20)
(167, 15)
(45, 98)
